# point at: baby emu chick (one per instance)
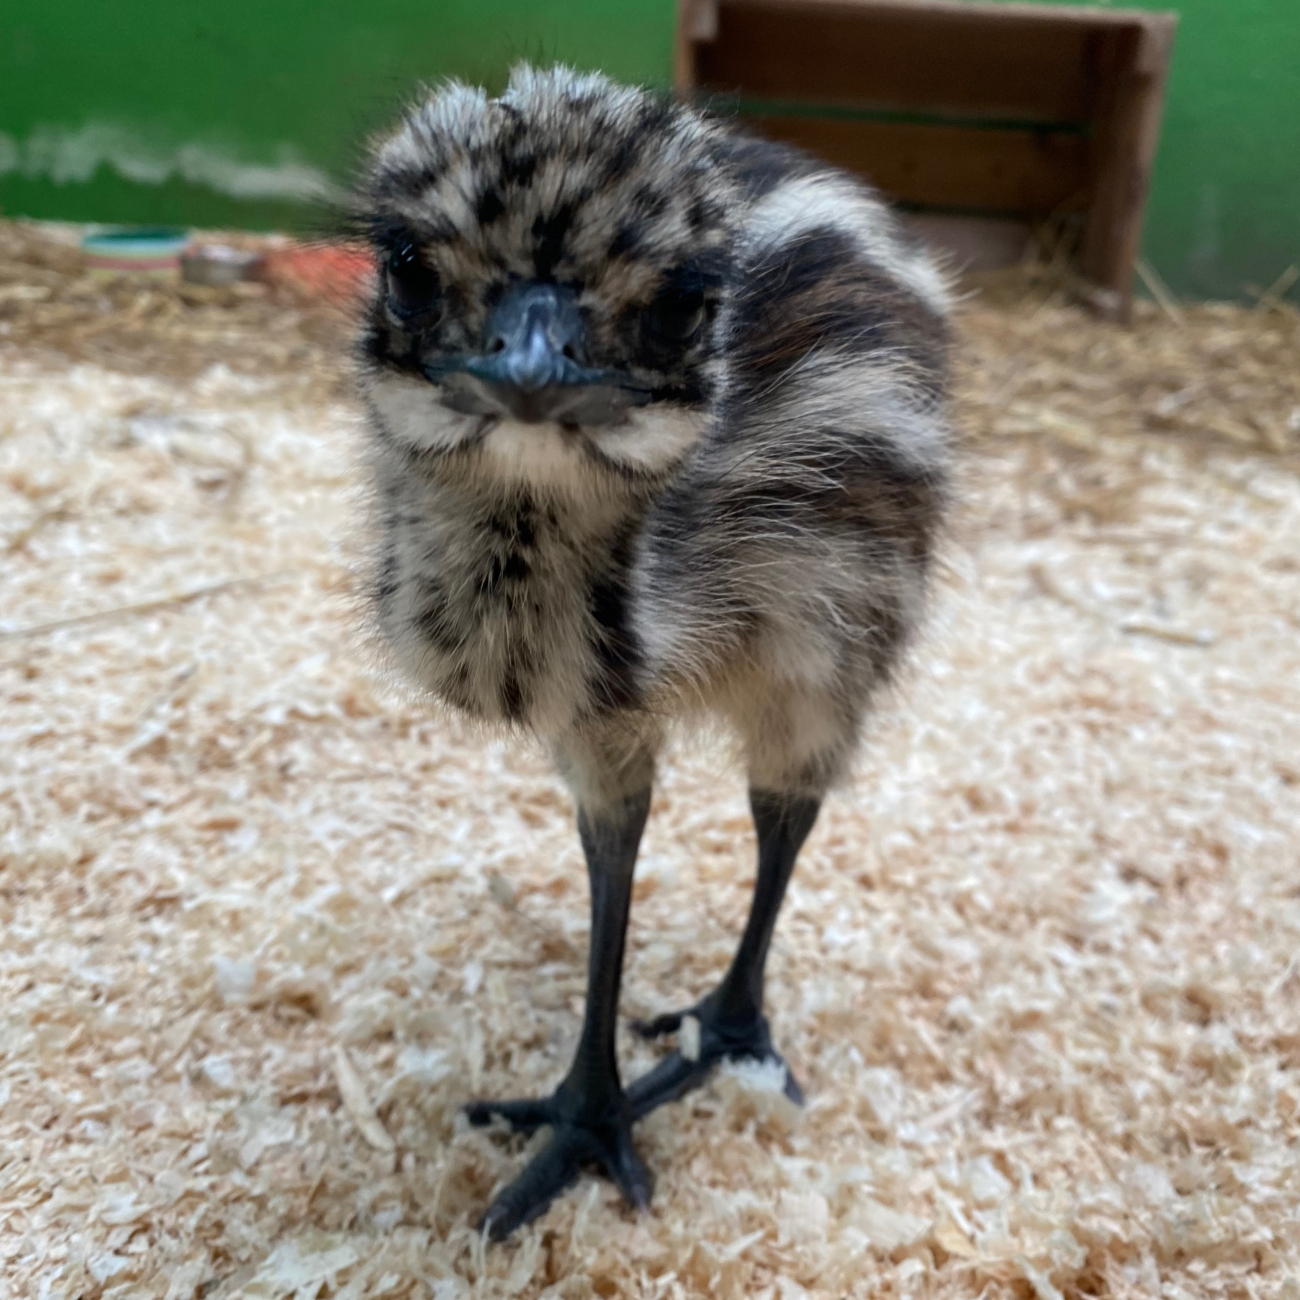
(657, 432)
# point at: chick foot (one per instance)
(728, 1035)
(577, 1140)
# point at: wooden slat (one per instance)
(1022, 173)
(697, 24)
(1048, 15)
(1127, 131)
(1036, 71)
(1009, 64)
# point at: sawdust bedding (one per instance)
(268, 922)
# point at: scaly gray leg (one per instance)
(731, 1019)
(589, 1113)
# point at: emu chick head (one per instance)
(555, 256)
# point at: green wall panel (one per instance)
(234, 106)
(234, 114)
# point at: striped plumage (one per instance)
(743, 530)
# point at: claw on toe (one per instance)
(549, 1173)
(703, 1043)
(523, 1116)
(607, 1144)
(659, 1026)
(792, 1088)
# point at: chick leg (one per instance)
(589, 1114)
(731, 1020)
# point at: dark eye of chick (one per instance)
(412, 286)
(676, 314)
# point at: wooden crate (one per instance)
(987, 115)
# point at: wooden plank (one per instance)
(1034, 71)
(1127, 132)
(1022, 173)
(1094, 68)
(697, 24)
(961, 10)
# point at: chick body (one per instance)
(658, 432)
(752, 542)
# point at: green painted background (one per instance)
(269, 82)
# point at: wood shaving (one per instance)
(688, 1038)
(358, 1104)
(1176, 635)
(1037, 971)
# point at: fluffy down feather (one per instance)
(751, 544)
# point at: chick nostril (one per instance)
(569, 352)
(498, 344)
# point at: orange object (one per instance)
(340, 273)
